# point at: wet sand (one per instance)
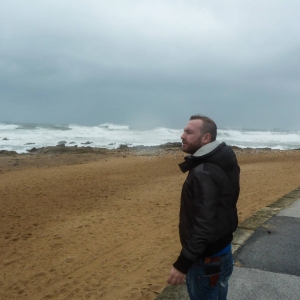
(104, 226)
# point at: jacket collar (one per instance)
(200, 155)
(207, 148)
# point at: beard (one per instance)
(191, 148)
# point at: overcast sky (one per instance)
(151, 63)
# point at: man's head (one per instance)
(199, 131)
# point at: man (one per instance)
(208, 214)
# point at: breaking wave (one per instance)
(22, 137)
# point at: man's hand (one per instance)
(175, 277)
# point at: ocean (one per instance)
(22, 137)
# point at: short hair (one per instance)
(209, 126)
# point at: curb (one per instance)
(247, 228)
(240, 236)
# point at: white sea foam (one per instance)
(110, 136)
(114, 126)
(8, 126)
(281, 140)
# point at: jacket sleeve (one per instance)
(204, 193)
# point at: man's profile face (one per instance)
(192, 136)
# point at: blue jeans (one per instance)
(198, 279)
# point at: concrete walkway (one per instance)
(267, 255)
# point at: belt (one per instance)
(208, 260)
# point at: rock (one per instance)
(69, 259)
(32, 150)
(87, 143)
(72, 143)
(171, 145)
(235, 147)
(6, 152)
(123, 147)
(5, 139)
(64, 149)
(29, 144)
(61, 142)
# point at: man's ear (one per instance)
(206, 139)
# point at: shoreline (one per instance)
(67, 155)
(104, 225)
(62, 148)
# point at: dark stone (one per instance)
(64, 149)
(61, 142)
(235, 147)
(123, 147)
(29, 144)
(5, 139)
(87, 143)
(171, 145)
(6, 152)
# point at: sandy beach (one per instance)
(104, 225)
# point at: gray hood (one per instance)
(207, 148)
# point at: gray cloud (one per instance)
(150, 63)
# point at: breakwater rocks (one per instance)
(63, 149)
(74, 149)
(125, 149)
(6, 152)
